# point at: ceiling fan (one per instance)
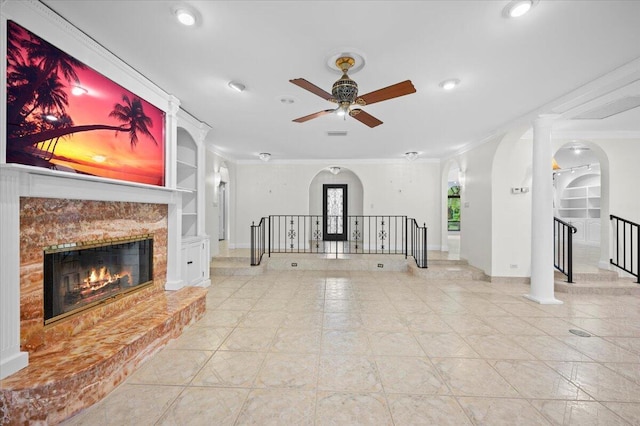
(345, 93)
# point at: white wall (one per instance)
(511, 213)
(475, 198)
(389, 188)
(624, 177)
(213, 163)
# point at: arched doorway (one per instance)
(334, 194)
(581, 198)
(451, 215)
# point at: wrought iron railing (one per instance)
(258, 234)
(563, 247)
(360, 235)
(626, 235)
(417, 242)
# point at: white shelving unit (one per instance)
(190, 154)
(578, 203)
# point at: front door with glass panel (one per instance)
(334, 201)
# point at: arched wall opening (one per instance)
(451, 218)
(581, 198)
(355, 199)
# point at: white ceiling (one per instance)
(507, 67)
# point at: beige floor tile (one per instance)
(289, 371)
(230, 369)
(171, 367)
(599, 349)
(129, 404)
(468, 324)
(445, 345)
(549, 348)
(308, 320)
(221, 318)
(278, 407)
(501, 411)
(512, 326)
(579, 413)
(628, 411)
(345, 342)
(237, 304)
(204, 406)
(472, 377)
(352, 409)
(631, 344)
(263, 319)
(249, 339)
(399, 343)
(497, 346)
(600, 382)
(343, 321)
(431, 323)
(297, 340)
(426, 410)
(535, 379)
(202, 338)
(415, 375)
(348, 373)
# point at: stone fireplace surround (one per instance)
(75, 362)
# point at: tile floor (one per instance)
(387, 348)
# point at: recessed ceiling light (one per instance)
(264, 156)
(517, 8)
(411, 155)
(334, 170)
(185, 17)
(237, 86)
(450, 84)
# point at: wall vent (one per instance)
(612, 108)
(337, 133)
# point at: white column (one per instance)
(542, 279)
(11, 359)
(174, 221)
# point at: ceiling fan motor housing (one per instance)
(345, 90)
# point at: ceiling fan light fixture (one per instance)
(238, 87)
(518, 8)
(264, 156)
(450, 84)
(411, 155)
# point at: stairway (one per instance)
(599, 281)
(235, 265)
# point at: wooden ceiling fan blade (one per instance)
(365, 117)
(301, 82)
(390, 92)
(314, 115)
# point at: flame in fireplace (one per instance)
(100, 278)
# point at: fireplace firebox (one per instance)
(78, 276)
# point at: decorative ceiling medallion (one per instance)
(358, 61)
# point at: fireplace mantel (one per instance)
(17, 181)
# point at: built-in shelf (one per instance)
(580, 202)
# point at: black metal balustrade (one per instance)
(626, 235)
(257, 241)
(563, 247)
(417, 242)
(358, 235)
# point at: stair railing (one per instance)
(563, 247)
(417, 242)
(387, 234)
(258, 234)
(626, 235)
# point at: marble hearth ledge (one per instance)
(71, 375)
